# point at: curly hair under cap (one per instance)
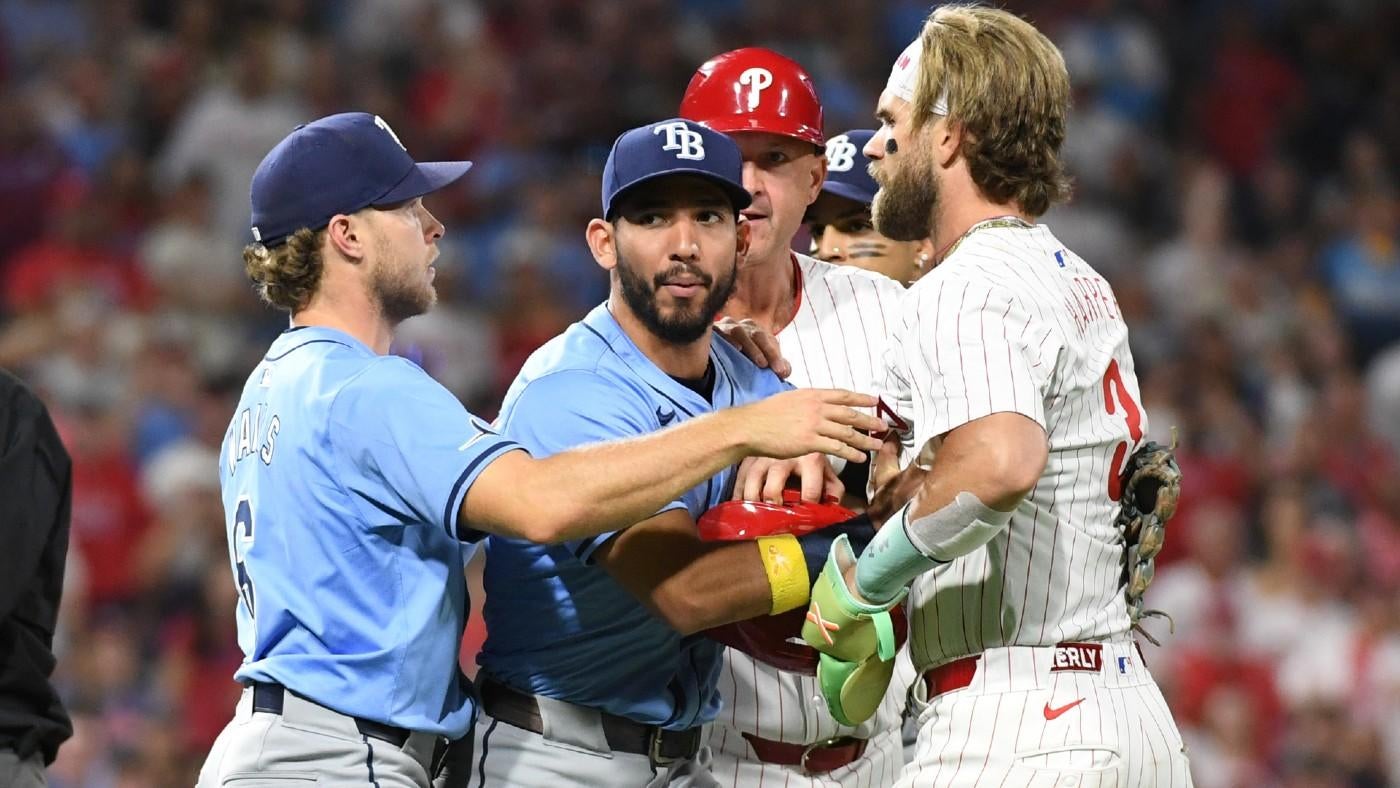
(287, 275)
(1006, 86)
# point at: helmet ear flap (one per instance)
(755, 89)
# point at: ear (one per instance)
(947, 139)
(602, 242)
(818, 178)
(347, 235)
(743, 235)
(926, 249)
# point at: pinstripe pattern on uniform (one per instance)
(836, 339)
(1012, 321)
(994, 329)
(994, 732)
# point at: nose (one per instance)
(686, 240)
(875, 148)
(432, 228)
(753, 184)
(834, 246)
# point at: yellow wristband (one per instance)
(787, 572)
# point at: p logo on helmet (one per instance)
(758, 80)
(754, 89)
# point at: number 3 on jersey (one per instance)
(241, 541)
(1115, 396)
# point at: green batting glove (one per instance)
(856, 641)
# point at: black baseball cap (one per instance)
(338, 164)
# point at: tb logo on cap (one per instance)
(757, 80)
(381, 123)
(687, 143)
(840, 154)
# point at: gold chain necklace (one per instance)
(996, 222)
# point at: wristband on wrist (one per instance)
(786, 567)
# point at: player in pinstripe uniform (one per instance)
(1011, 359)
(831, 322)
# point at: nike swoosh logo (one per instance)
(1051, 714)
(665, 416)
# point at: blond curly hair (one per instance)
(286, 276)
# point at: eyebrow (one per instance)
(884, 116)
(661, 204)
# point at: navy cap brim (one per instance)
(737, 194)
(425, 178)
(848, 190)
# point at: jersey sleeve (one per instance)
(572, 408)
(406, 447)
(979, 352)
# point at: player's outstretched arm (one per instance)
(609, 486)
(979, 474)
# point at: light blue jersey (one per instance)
(559, 625)
(343, 472)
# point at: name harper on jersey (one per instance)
(245, 429)
(1092, 301)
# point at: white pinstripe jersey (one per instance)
(836, 339)
(1011, 321)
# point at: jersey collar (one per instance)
(297, 336)
(601, 321)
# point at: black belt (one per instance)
(268, 698)
(662, 746)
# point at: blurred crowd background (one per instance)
(1236, 171)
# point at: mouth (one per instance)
(685, 285)
(754, 216)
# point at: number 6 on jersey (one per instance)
(243, 531)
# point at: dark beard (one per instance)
(904, 207)
(681, 328)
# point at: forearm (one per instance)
(979, 476)
(727, 583)
(603, 487)
(689, 583)
(611, 485)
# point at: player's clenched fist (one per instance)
(799, 422)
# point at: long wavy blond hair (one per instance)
(1006, 85)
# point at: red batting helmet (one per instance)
(768, 638)
(755, 89)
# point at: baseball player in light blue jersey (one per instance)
(354, 485)
(594, 671)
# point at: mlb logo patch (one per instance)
(1123, 664)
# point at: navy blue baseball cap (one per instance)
(847, 168)
(673, 147)
(338, 164)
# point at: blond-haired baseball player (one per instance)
(1011, 356)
